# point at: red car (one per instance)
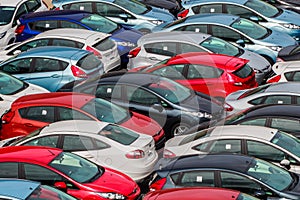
(197, 194)
(31, 112)
(66, 171)
(216, 75)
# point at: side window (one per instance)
(225, 33)
(202, 147)
(70, 114)
(49, 141)
(109, 10)
(49, 65)
(172, 71)
(296, 76)
(289, 125)
(279, 99)
(264, 151)
(257, 122)
(64, 42)
(67, 24)
(140, 96)
(185, 48)
(30, 45)
(20, 66)
(238, 182)
(202, 71)
(32, 5)
(43, 25)
(292, 76)
(211, 8)
(240, 11)
(77, 143)
(194, 27)
(86, 6)
(109, 91)
(197, 178)
(221, 146)
(9, 170)
(162, 48)
(38, 113)
(41, 174)
(21, 10)
(257, 101)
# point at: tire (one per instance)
(179, 129)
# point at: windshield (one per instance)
(10, 85)
(133, 6)
(99, 23)
(217, 45)
(106, 111)
(76, 167)
(263, 8)
(6, 14)
(250, 28)
(270, 174)
(170, 90)
(288, 142)
(47, 192)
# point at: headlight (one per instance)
(156, 22)
(198, 114)
(110, 195)
(276, 48)
(126, 44)
(2, 35)
(291, 26)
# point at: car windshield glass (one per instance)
(24, 138)
(119, 134)
(99, 23)
(133, 6)
(253, 91)
(288, 142)
(47, 192)
(170, 90)
(6, 15)
(272, 175)
(76, 167)
(263, 8)
(106, 111)
(196, 136)
(250, 28)
(220, 46)
(10, 85)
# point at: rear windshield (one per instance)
(89, 61)
(244, 71)
(6, 15)
(104, 45)
(250, 92)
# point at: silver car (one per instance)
(104, 143)
(98, 43)
(285, 71)
(155, 47)
(265, 143)
(276, 93)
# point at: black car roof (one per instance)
(274, 110)
(51, 13)
(239, 163)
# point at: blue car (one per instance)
(54, 68)
(128, 12)
(35, 23)
(272, 17)
(232, 28)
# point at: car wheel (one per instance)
(179, 129)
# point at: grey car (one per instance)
(155, 47)
(248, 34)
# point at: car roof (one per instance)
(38, 154)
(54, 98)
(292, 111)
(215, 161)
(194, 2)
(12, 3)
(78, 126)
(67, 14)
(175, 36)
(226, 19)
(17, 188)
(284, 87)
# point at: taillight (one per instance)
(168, 154)
(94, 51)
(7, 117)
(78, 72)
(20, 29)
(158, 185)
(183, 13)
(274, 79)
(136, 154)
(228, 107)
(134, 52)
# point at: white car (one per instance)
(10, 12)
(285, 72)
(12, 88)
(262, 142)
(276, 93)
(106, 144)
(98, 43)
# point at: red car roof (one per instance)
(31, 154)
(55, 98)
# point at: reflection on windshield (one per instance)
(9, 84)
(6, 15)
(133, 6)
(99, 23)
(46, 192)
(263, 8)
(288, 142)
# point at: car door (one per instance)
(20, 68)
(158, 51)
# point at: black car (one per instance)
(173, 106)
(293, 5)
(282, 117)
(239, 172)
(289, 53)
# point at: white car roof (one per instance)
(12, 3)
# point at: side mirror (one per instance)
(260, 194)
(241, 42)
(16, 52)
(286, 163)
(158, 107)
(61, 186)
(123, 17)
(254, 18)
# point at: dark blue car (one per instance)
(35, 23)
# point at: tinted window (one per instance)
(65, 42)
(8, 170)
(240, 11)
(6, 14)
(211, 8)
(10, 85)
(172, 71)
(185, 48)
(132, 6)
(289, 125)
(70, 114)
(99, 23)
(194, 27)
(18, 67)
(217, 45)
(44, 114)
(280, 99)
(258, 122)
(244, 71)
(67, 24)
(162, 48)
(49, 141)
(32, 5)
(87, 6)
(141, 96)
(32, 44)
(109, 91)
(48, 65)
(292, 76)
(203, 71)
(220, 146)
(77, 143)
(105, 45)
(225, 33)
(106, 9)
(197, 178)
(43, 25)
(89, 61)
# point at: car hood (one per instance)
(160, 14)
(256, 61)
(287, 17)
(278, 39)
